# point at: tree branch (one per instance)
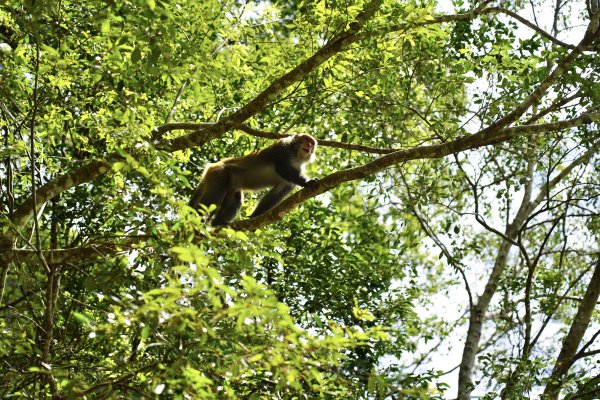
(481, 139)
(338, 44)
(271, 135)
(557, 72)
(326, 143)
(96, 168)
(82, 253)
(478, 12)
(48, 191)
(573, 339)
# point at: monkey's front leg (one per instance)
(272, 198)
(293, 175)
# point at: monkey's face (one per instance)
(307, 146)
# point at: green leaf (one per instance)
(105, 28)
(145, 332)
(136, 55)
(82, 318)
(119, 165)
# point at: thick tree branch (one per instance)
(208, 132)
(85, 173)
(573, 339)
(261, 101)
(277, 213)
(97, 168)
(481, 139)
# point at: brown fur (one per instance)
(279, 166)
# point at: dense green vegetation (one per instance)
(449, 249)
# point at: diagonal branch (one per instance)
(589, 37)
(573, 339)
(481, 139)
(277, 213)
(96, 168)
(85, 173)
(440, 19)
(338, 44)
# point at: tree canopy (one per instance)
(450, 248)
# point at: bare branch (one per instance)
(512, 230)
(327, 143)
(451, 259)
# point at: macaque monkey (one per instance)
(279, 167)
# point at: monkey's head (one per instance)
(305, 145)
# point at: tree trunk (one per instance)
(573, 338)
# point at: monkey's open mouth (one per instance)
(307, 150)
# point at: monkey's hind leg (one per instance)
(229, 208)
(195, 199)
(212, 188)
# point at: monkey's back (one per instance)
(246, 173)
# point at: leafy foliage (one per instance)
(458, 205)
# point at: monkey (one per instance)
(279, 167)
